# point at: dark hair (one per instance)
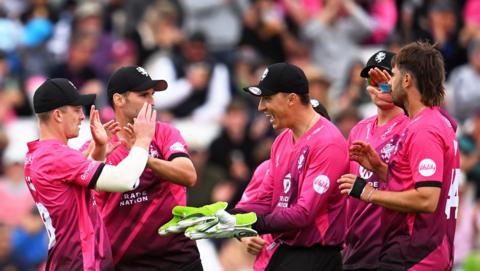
(425, 64)
(304, 98)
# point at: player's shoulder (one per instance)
(51, 155)
(367, 121)
(53, 148)
(432, 119)
(163, 126)
(165, 130)
(363, 124)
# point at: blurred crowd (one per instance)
(207, 50)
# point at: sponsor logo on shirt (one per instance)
(87, 171)
(388, 131)
(131, 198)
(178, 147)
(427, 167)
(364, 173)
(321, 184)
(300, 161)
(287, 183)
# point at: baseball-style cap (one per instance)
(381, 59)
(319, 108)
(280, 77)
(58, 92)
(133, 78)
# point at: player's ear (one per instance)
(407, 79)
(291, 98)
(57, 115)
(118, 99)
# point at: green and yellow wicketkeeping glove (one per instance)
(186, 216)
(226, 226)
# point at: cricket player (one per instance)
(61, 180)
(169, 171)
(421, 200)
(298, 202)
(363, 239)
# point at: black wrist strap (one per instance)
(357, 188)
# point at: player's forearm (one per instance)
(382, 171)
(99, 152)
(293, 218)
(420, 200)
(179, 171)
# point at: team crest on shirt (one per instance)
(152, 151)
(177, 147)
(287, 183)
(380, 56)
(387, 151)
(321, 184)
(142, 71)
(427, 167)
(364, 173)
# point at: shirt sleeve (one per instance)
(325, 166)
(426, 157)
(171, 142)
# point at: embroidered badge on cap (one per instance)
(380, 56)
(142, 71)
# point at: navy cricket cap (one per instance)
(381, 59)
(280, 77)
(58, 92)
(133, 78)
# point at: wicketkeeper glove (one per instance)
(186, 216)
(226, 226)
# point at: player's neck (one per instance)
(414, 108)
(384, 116)
(122, 119)
(48, 132)
(303, 122)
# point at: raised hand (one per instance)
(144, 125)
(378, 76)
(99, 134)
(366, 156)
(128, 138)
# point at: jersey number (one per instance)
(452, 200)
(47, 221)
